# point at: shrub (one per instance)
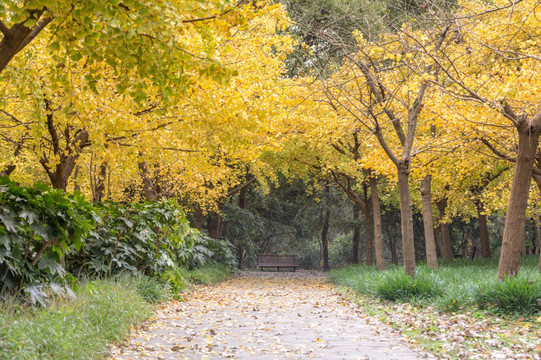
(397, 285)
(151, 289)
(38, 225)
(514, 295)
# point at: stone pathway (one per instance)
(269, 315)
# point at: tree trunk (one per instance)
(428, 223)
(483, 229)
(514, 230)
(369, 230)
(19, 36)
(356, 241)
(447, 247)
(198, 217)
(437, 234)
(406, 219)
(378, 233)
(99, 189)
(538, 249)
(214, 224)
(148, 188)
(325, 239)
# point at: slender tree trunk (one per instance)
(148, 188)
(538, 249)
(378, 233)
(325, 239)
(445, 233)
(214, 224)
(198, 217)
(356, 241)
(369, 230)
(428, 223)
(483, 229)
(99, 190)
(406, 216)
(76, 186)
(514, 230)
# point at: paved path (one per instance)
(264, 316)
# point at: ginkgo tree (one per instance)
(490, 74)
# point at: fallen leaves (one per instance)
(268, 315)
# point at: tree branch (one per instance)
(4, 29)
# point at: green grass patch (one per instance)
(103, 312)
(208, 274)
(459, 286)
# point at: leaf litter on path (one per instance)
(265, 315)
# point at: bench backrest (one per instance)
(273, 259)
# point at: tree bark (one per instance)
(406, 214)
(445, 233)
(214, 224)
(514, 229)
(198, 217)
(378, 233)
(148, 188)
(369, 229)
(483, 229)
(99, 184)
(538, 249)
(16, 38)
(356, 240)
(325, 239)
(428, 222)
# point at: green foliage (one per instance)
(209, 274)
(513, 295)
(200, 249)
(72, 329)
(38, 225)
(133, 237)
(463, 284)
(396, 285)
(151, 289)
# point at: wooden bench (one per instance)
(277, 261)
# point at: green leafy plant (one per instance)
(151, 289)
(397, 285)
(38, 227)
(514, 295)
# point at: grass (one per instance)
(470, 315)
(463, 284)
(103, 312)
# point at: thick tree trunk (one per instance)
(445, 232)
(406, 219)
(369, 231)
(356, 240)
(378, 233)
(325, 239)
(483, 229)
(428, 222)
(514, 230)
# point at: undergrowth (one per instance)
(463, 284)
(101, 311)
